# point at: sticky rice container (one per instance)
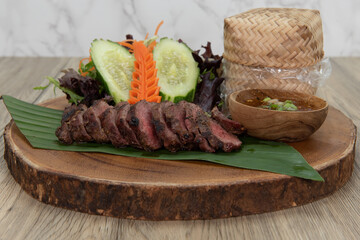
(278, 48)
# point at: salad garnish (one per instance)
(207, 94)
(179, 79)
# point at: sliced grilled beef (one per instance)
(108, 124)
(125, 130)
(218, 137)
(169, 139)
(139, 119)
(69, 112)
(63, 132)
(202, 122)
(190, 122)
(182, 126)
(175, 118)
(92, 121)
(228, 124)
(229, 142)
(77, 128)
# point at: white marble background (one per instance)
(67, 27)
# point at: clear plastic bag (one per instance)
(306, 80)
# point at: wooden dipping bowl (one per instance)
(285, 126)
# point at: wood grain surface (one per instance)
(150, 189)
(22, 217)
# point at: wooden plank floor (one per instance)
(22, 217)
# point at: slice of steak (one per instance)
(92, 121)
(125, 130)
(140, 119)
(108, 124)
(63, 132)
(229, 141)
(228, 124)
(218, 137)
(191, 125)
(69, 111)
(169, 139)
(175, 118)
(202, 122)
(77, 128)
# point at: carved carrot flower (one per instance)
(144, 85)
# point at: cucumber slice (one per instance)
(178, 72)
(114, 65)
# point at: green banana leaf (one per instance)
(38, 124)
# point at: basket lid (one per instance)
(274, 37)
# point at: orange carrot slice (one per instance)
(81, 61)
(158, 27)
(127, 44)
(144, 85)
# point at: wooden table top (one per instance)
(22, 217)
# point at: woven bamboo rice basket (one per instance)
(274, 37)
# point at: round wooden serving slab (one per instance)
(139, 188)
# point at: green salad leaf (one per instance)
(74, 98)
(89, 67)
(38, 124)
